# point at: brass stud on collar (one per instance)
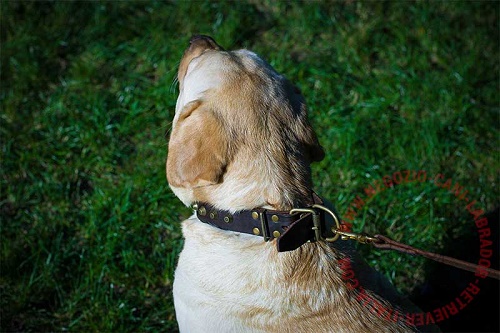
(202, 211)
(213, 215)
(276, 233)
(228, 219)
(255, 215)
(256, 231)
(275, 218)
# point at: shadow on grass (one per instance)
(444, 284)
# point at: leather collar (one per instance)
(292, 228)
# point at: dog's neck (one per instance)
(261, 184)
(243, 197)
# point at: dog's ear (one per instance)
(302, 128)
(313, 149)
(197, 151)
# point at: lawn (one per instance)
(90, 231)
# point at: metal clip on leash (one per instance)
(360, 238)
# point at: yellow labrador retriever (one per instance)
(240, 153)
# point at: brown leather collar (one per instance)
(291, 230)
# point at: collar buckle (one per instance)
(315, 211)
(316, 218)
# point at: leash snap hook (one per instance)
(344, 235)
(360, 238)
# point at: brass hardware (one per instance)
(276, 234)
(202, 211)
(302, 210)
(275, 218)
(265, 232)
(213, 215)
(335, 219)
(361, 238)
(195, 206)
(317, 221)
(263, 225)
(228, 219)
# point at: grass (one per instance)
(90, 231)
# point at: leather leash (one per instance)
(386, 243)
(298, 226)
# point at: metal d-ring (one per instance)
(337, 223)
(317, 222)
(361, 238)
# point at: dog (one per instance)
(241, 141)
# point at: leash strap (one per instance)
(386, 243)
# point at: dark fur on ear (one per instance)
(197, 151)
(312, 148)
(302, 128)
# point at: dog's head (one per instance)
(240, 136)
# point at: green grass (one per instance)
(90, 231)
